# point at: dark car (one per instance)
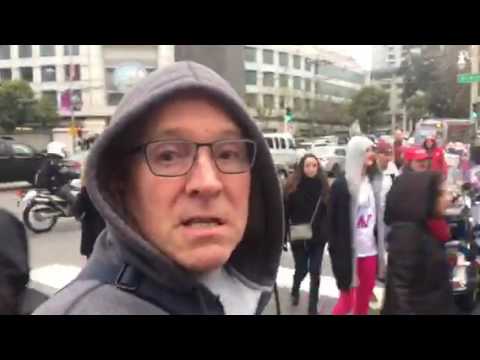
(18, 162)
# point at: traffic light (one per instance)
(288, 115)
(475, 110)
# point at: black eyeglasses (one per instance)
(176, 158)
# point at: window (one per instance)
(71, 50)
(24, 51)
(281, 101)
(308, 64)
(268, 57)
(291, 145)
(52, 96)
(297, 61)
(250, 54)
(268, 101)
(297, 82)
(283, 144)
(268, 79)
(340, 152)
(308, 85)
(283, 59)
(308, 104)
(251, 100)
(4, 149)
(47, 50)
(318, 88)
(72, 76)
(386, 87)
(298, 104)
(5, 74)
(251, 77)
(283, 80)
(77, 99)
(269, 142)
(26, 74)
(113, 99)
(4, 52)
(22, 150)
(49, 73)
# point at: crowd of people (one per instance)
(182, 213)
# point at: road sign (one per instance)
(468, 78)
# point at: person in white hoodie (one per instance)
(356, 252)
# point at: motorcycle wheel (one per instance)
(466, 302)
(28, 216)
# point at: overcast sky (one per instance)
(361, 53)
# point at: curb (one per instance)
(14, 186)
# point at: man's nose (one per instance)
(204, 179)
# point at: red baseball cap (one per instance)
(415, 154)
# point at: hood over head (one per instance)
(256, 258)
(412, 197)
(356, 151)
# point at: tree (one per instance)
(417, 107)
(433, 71)
(16, 100)
(369, 106)
(45, 112)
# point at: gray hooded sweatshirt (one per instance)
(127, 275)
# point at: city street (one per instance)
(55, 260)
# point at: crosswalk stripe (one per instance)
(55, 276)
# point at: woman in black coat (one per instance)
(307, 190)
(92, 222)
(418, 275)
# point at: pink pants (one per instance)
(359, 298)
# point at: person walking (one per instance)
(91, 221)
(436, 155)
(418, 275)
(188, 189)
(306, 204)
(356, 253)
(398, 148)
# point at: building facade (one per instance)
(278, 77)
(271, 78)
(87, 70)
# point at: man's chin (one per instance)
(207, 259)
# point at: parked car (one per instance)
(283, 150)
(18, 162)
(302, 149)
(332, 158)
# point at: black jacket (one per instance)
(418, 280)
(14, 267)
(92, 222)
(340, 233)
(53, 174)
(301, 204)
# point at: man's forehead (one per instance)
(196, 129)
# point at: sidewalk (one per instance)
(14, 186)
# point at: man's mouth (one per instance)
(203, 222)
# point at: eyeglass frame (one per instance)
(143, 148)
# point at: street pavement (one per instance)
(55, 260)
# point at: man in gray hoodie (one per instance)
(188, 190)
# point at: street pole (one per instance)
(72, 120)
(474, 61)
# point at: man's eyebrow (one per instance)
(186, 133)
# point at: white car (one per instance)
(332, 158)
(283, 150)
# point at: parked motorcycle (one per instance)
(43, 209)
(462, 251)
